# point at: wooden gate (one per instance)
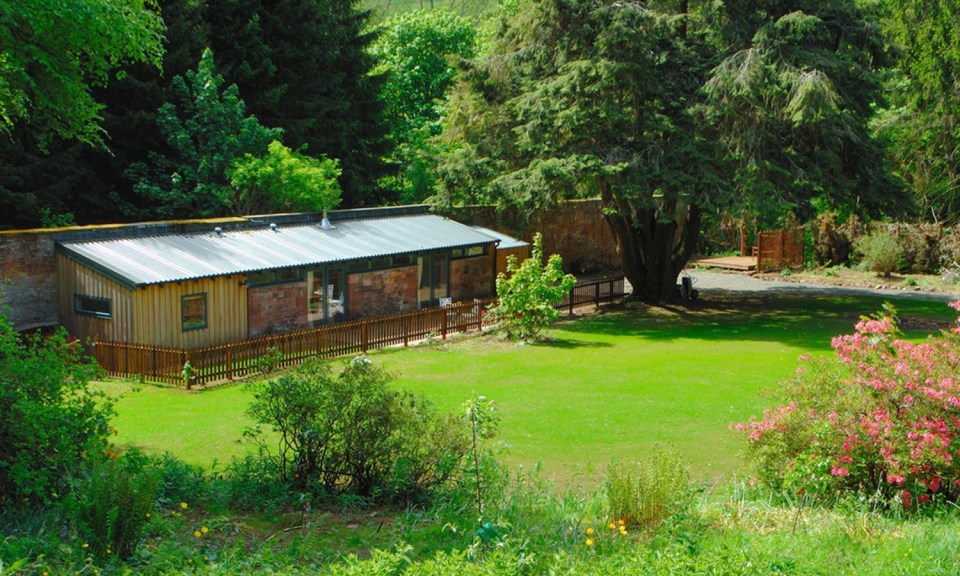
(779, 249)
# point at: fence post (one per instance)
(229, 363)
(363, 337)
(596, 294)
(443, 325)
(570, 298)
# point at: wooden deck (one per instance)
(741, 263)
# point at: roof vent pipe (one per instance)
(273, 226)
(218, 230)
(325, 223)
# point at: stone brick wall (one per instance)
(576, 230)
(28, 278)
(382, 291)
(277, 308)
(472, 277)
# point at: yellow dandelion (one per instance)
(590, 541)
(589, 531)
(204, 529)
(612, 526)
(183, 505)
(621, 523)
(108, 551)
(148, 514)
(623, 530)
(85, 545)
(196, 533)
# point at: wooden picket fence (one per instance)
(779, 249)
(229, 361)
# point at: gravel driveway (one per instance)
(709, 281)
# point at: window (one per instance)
(92, 306)
(468, 252)
(193, 312)
(281, 276)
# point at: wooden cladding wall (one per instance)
(77, 279)
(521, 252)
(152, 314)
(158, 314)
(779, 249)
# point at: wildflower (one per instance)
(148, 514)
(204, 529)
(590, 541)
(612, 526)
(196, 534)
(183, 505)
(85, 545)
(621, 523)
(623, 530)
(589, 531)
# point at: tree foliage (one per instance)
(52, 55)
(414, 51)
(207, 130)
(791, 101)
(584, 97)
(284, 181)
(921, 126)
(302, 66)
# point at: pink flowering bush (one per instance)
(881, 417)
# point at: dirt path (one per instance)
(709, 281)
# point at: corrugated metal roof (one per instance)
(505, 241)
(171, 257)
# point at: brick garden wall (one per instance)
(277, 308)
(472, 277)
(28, 278)
(382, 291)
(576, 230)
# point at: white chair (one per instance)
(446, 302)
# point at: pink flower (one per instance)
(839, 471)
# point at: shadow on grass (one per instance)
(807, 321)
(570, 344)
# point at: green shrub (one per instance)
(527, 293)
(647, 493)
(352, 432)
(879, 252)
(111, 508)
(50, 420)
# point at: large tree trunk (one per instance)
(654, 243)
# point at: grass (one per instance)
(604, 387)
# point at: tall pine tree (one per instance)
(301, 65)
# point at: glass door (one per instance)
(433, 271)
(325, 301)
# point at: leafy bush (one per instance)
(647, 493)
(50, 420)
(879, 252)
(882, 417)
(351, 432)
(527, 293)
(112, 507)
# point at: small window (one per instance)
(267, 277)
(193, 312)
(92, 306)
(468, 252)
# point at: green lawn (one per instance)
(605, 387)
